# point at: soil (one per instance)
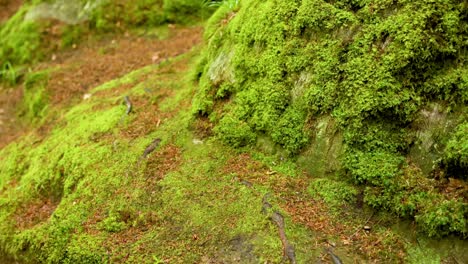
(85, 66)
(95, 63)
(10, 127)
(8, 8)
(8, 99)
(34, 213)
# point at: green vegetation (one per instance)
(327, 111)
(372, 66)
(83, 194)
(9, 74)
(124, 14)
(456, 152)
(334, 193)
(25, 41)
(35, 99)
(19, 41)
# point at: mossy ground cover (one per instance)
(83, 193)
(25, 41)
(364, 70)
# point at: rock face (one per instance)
(67, 11)
(432, 126)
(322, 156)
(373, 92)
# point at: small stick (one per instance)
(129, 108)
(335, 258)
(129, 105)
(359, 228)
(151, 148)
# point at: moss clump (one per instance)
(456, 152)
(371, 65)
(118, 15)
(20, 40)
(235, 132)
(444, 218)
(122, 14)
(184, 11)
(25, 41)
(35, 99)
(334, 193)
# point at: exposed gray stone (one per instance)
(322, 157)
(68, 11)
(431, 128)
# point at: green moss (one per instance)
(456, 152)
(72, 35)
(122, 14)
(276, 68)
(19, 40)
(69, 165)
(25, 41)
(112, 224)
(10, 74)
(35, 99)
(112, 206)
(334, 193)
(85, 249)
(235, 132)
(444, 218)
(117, 15)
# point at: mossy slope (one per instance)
(277, 68)
(85, 194)
(25, 41)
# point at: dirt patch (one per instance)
(10, 128)
(145, 116)
(245, 167)
(8, 8)
(34, 213)
(237, 250)
(453, 189)
(345, 232)
(91, 64)
(202, 127)
(98, 62)
(161, 162)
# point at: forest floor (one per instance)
(91, 64)
(8, 8)
(192, 200)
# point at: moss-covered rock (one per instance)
(456, 152)
(373, 66)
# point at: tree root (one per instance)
(288, 249)
(335, 258)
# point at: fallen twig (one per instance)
(151, 148)
(129, 105)
(335, 258)
(359, 228)
(129, 108)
